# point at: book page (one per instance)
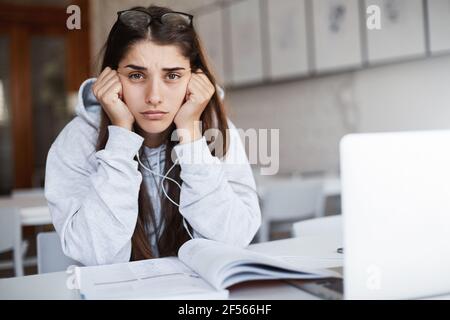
(223, 265)
(165, 278)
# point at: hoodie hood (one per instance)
(88, 108)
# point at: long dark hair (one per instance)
(121, 38)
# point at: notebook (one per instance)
(204, 269)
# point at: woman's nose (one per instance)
(153, 96)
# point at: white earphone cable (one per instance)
(163, 189)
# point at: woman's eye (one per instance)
(173, 76)
(136, 76)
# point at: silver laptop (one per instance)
(396, 212)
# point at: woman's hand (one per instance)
(199, 92)
(108, 91)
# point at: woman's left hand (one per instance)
(198, 94)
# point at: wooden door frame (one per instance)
(20, 22)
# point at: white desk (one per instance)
(33, 210)
(321, 251)
(35, 216)
(331, 184)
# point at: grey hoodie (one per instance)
(93, 195)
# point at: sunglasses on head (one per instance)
(136, 18)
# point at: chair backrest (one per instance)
(318, 227)
(11, 236)
(292, 199)
(289, 200)
(50, 255)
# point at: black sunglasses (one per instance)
(136, 18)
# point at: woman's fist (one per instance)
(108, 91)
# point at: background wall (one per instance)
(314, 114)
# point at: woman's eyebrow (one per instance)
(135, 67)
(173, 69)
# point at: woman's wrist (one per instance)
(189, 132)
(124, 125)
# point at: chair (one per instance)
(290, 200)
(28, 193)
(50, 255)
(29, 197)
(11, 236)
(318, 227)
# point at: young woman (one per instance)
(132, 176)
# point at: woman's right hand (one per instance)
(108, 91)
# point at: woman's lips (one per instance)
(153, 114)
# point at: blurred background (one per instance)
(314, 70)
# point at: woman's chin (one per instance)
(154, 126)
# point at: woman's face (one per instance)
(154, 81)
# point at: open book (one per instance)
(203, 270)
